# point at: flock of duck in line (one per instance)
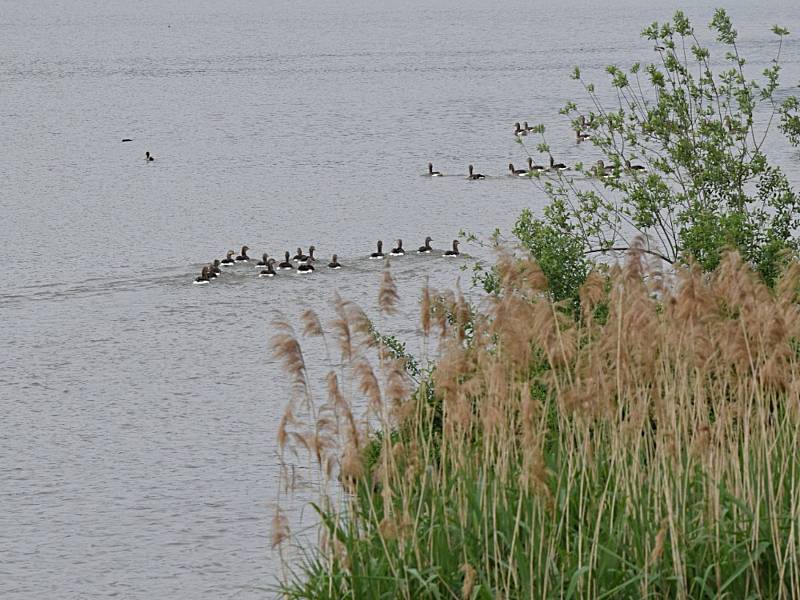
(600, 169)
(304, 264)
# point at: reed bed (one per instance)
(645, 449)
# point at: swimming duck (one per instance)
(311, 258)
(554, 166)
(214, 267)
(519, 131)
(431, 172)
(243, 256)
(454, 251)
(211, 273)
(334, 264)
(581, 136)
(299, 256)
(203, 278)
(473, 175)
(305, 268)
(379, 253)
(426, 249)
(399, 250)
(263, 262)
(603, 170)
(269, 271)
(516, 172)
(147, 157)
(228, 260)
(287, 263)
(637, 168)
(532, 167)
(728, 123)
(526, 127)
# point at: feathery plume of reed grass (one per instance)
(286, 348)
(368, 385)
(362, 326)
(387, 294)
(425, 310)
(311, 323)
(469, 581)
(520, 275)
(591, 294)
(352, 467)
(441, 309)
(286, 419)
(335, 396)
(280, 528)
(341, 328)
(397, 386)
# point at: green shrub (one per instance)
(706, 186)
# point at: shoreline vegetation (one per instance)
(587, 430)
(647, 449)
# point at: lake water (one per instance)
(139, 412)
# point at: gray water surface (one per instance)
(139, 412)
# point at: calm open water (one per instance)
(139, 412)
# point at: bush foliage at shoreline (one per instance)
(684, 163)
